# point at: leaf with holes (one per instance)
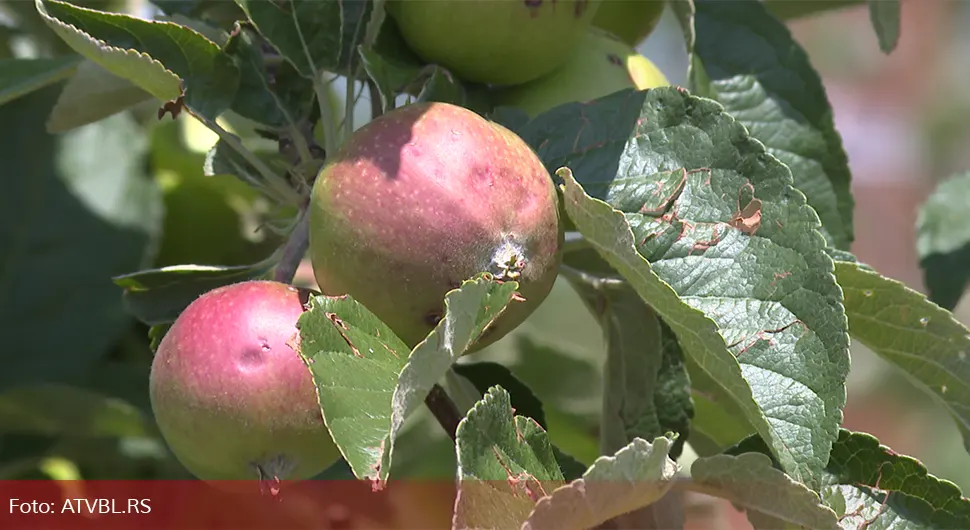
(708, 229)
(923, 340)
(765, 80)
(771, 497)
(636, 476)
(313, 35)
(158, 296)
(943, 241)
(505, 465)
(369, 382)
(165, 59)
(19, 77)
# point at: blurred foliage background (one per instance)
(128, 192)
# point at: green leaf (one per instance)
(19, 77)
(685, 12)
(69, 222)
(738, 280)
(505, 464)
(922, 339)
(158, 296)
(638, 475)
(577, 388)
(58, 410)
(943, 240)
(792, 9)
(155, 335)
(279, 99)
(313, 35)
(485, 375)
(765, 80)
(395, 69)
(638, 346)
(91, 95)
(749, 481)
(468, 311)
(355, 360)
(884, 15)
(718, 425)
(367, 382)
(223, 159)
(870, 486)
(167, 60)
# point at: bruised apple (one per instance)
(602, 65)
(232, 398)
(423, 198)
(500, 42)
(630, 20)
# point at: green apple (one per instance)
(498, 42)
(424, 197)
(630, 20)
(602, 65)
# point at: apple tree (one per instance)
(442, 172)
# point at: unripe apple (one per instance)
(630, 20)
(232, 398)
(601, 66)
(500, 42)
(423, 198)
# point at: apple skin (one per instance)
(630, 20)
(496, 42)
(229, 392)
(424, 197)
(602, 65)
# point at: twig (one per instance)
(598, 282)
(322, 89)
(295, 247)
(376, 104)
(350, 102)
(284, 192)
(444, 410)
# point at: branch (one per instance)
(295, 247)
(444, 410)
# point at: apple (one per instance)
(231, 397)
(499, 42)
(630, 20)
(601, 66)
(424, 197)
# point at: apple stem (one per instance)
(295, 247)
(444, 409)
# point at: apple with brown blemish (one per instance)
(424, 197)
(232, 397)
(500, 42)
